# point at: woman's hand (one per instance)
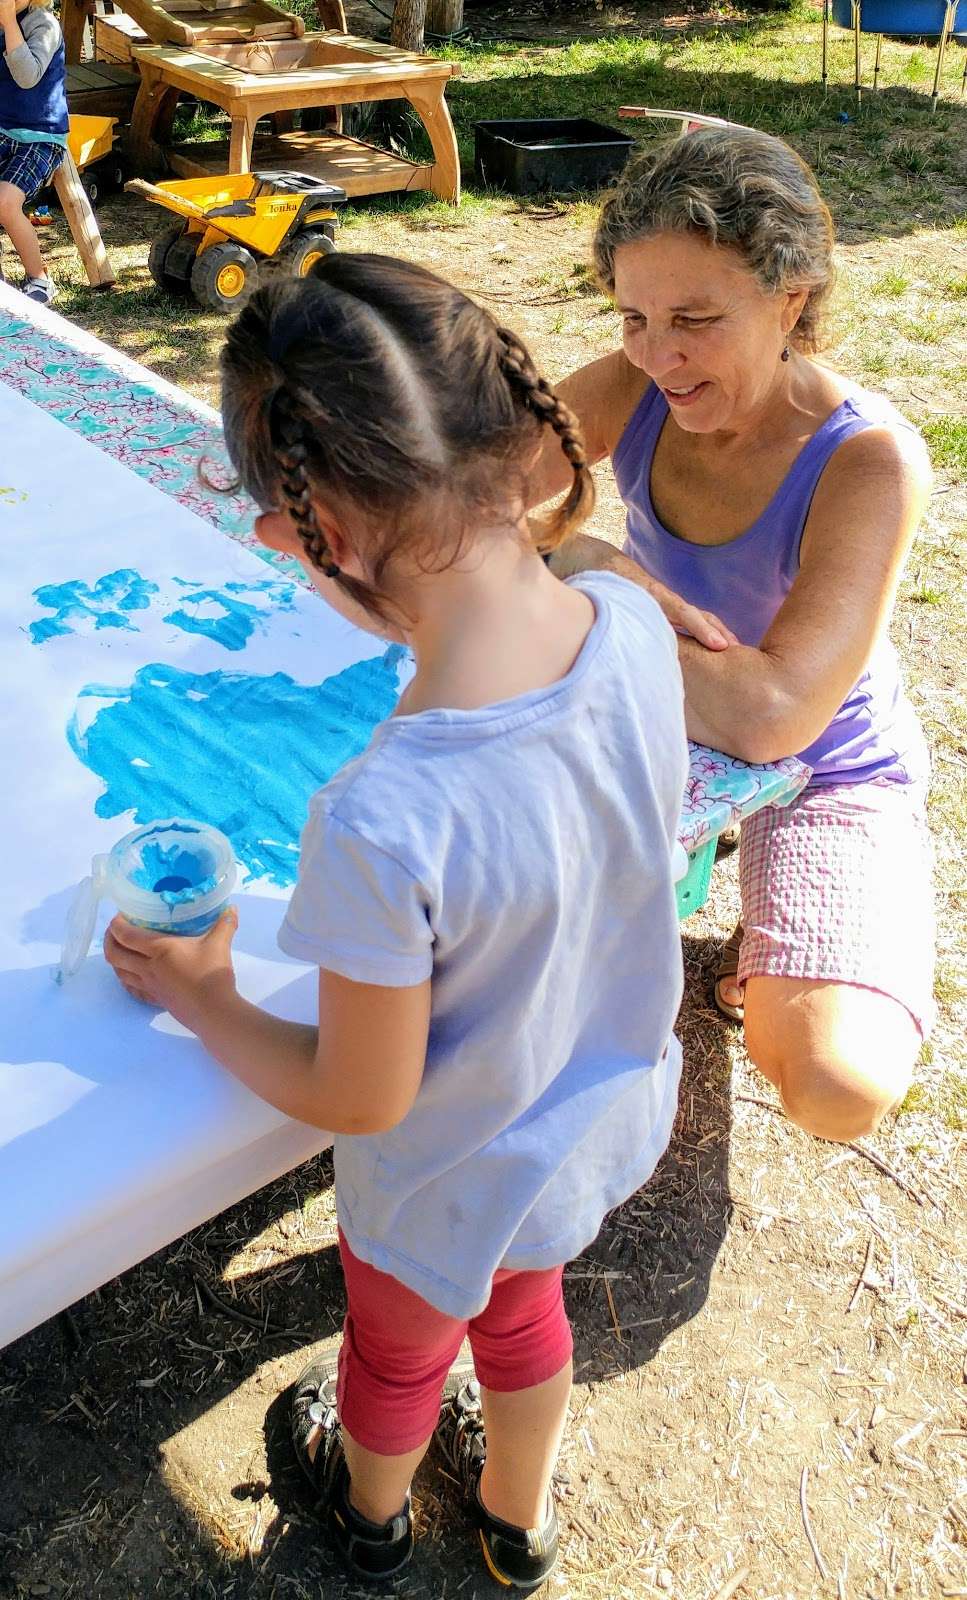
(186, 976)
(584, 553)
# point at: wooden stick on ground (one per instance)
(807, 1526)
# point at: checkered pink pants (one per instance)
(838, 886)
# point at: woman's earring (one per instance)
(785, 354)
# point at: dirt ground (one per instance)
(770, 1395)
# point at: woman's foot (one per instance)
(370, 1549)
(519, 1558)
(729, 993)
(728, 841)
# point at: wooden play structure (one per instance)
(254, 61)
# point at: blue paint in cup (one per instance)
(173, 877)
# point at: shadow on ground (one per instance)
(145, 1447)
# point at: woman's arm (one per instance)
(760, 704)
(603, 396)
(357, 1073)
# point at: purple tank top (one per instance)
(875, 733)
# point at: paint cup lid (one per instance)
(80, 921)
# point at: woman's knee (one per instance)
(841, 1057)
(837, 1099)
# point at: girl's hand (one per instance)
(182, 975)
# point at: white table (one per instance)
(117, 1133)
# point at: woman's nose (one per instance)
(662, 355)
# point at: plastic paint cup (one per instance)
(172, 877)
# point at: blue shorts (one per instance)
(29, 167)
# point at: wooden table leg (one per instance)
(431, 107)
(151, 120)
(240, 147)
(83, 224)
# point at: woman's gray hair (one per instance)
(733, 187)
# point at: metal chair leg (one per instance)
(945, 30)
(825, 46)
(856, 51)
(876, 64)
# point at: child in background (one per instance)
(33, 127)
(487, 893)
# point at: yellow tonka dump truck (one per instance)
(233, 226)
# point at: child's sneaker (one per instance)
(370, 1549)
(519, 1558)
(39, 289)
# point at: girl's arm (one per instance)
(357, 1073)
(760, 704)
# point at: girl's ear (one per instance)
(277, 531)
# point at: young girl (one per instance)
(33, 127)
(486, 891)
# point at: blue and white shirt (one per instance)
(520, 854)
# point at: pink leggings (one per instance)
(397, 1349)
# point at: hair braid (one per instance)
(536, 394)
(291, 452)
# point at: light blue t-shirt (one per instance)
(521, 855)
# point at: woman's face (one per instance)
(698, 322)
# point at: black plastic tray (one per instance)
(543, 153)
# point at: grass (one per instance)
(947, 439)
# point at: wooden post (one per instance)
(409, 18)
(151, 120)
(74, 15)
(83, 224)
(444, 16)
(332, 16)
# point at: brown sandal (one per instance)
(727, 841)
(727, 968)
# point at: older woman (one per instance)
(770, 507)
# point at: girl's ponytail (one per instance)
(537, 395)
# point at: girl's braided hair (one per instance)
(378, 388)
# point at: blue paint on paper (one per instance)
(220, 615)
(108, 603)
(244, 752)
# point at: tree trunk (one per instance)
(444, 16)
(409, 17)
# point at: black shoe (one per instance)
(371, 1550)
(518, 1558)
